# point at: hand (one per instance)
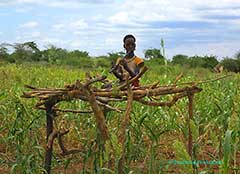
(124, 63)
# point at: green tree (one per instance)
(115, 55)
(237, 55)
(77, 53)
(3, 53)
(231, 64)
(196, 61)
(27, 51)
(180, 59)
(210, 61)
(54, 54)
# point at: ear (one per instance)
(124, 46)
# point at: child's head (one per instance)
(129, 43)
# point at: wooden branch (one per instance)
(109, 99)
(144, 69)
(64, 150)
(124, 127)
(149, 92)
(60, 134)
(109, 107)
(66, 110)
(168, 103)
(178, 78)
(197, 82)
(91, 81)
(100, 119)
(53, 135)
(44, 89)
(50, 114)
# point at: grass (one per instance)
(155, 134)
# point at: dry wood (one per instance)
(67, 110)
(96, 97)
(124, 128)
(100, 119)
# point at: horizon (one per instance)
(98, 26)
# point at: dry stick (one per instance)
(107, 99)
(167, 103)
(89, 82)
(53, 135)
(51, 139)
(100, 119)
(109, 107)
(125, 126)
(62, 147)
(50, 114)
(197, 82)
(65, 110)
(178, 78)
(148, 92)
(40, 89)
(78, 93)
(60, 134)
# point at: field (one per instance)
(157, 137)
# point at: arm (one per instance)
(116, 70)
(124, 63)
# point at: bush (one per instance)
(196, 61)
(102, 62)
(231, 64)
(180, 59)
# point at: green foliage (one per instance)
(153, 54)
(54, 54)
(231, 64)
(22, 132)
(195, 61)
(227, 151)
(183, 157)
(180, 59)
(3, 53)
(237, 55)
(114, 56)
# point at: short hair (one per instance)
(129, 36)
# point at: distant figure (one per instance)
(130, 64)
(218, 68)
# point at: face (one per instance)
(129, 44)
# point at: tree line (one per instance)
(29, 52)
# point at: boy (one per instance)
(129, 64)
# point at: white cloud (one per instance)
(78, 24)
(24, 9)
(59, 27)
(98, 17)
(76, 44)
(31, 24)
(76, 27)
(120, 18)
(50, 40)
(35, 34)
(173, 10)
(53, 3)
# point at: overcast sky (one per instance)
(202, 27)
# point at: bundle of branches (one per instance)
(145, 94)
(100, 98)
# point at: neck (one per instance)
(130, 55)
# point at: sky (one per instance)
(190, 27)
